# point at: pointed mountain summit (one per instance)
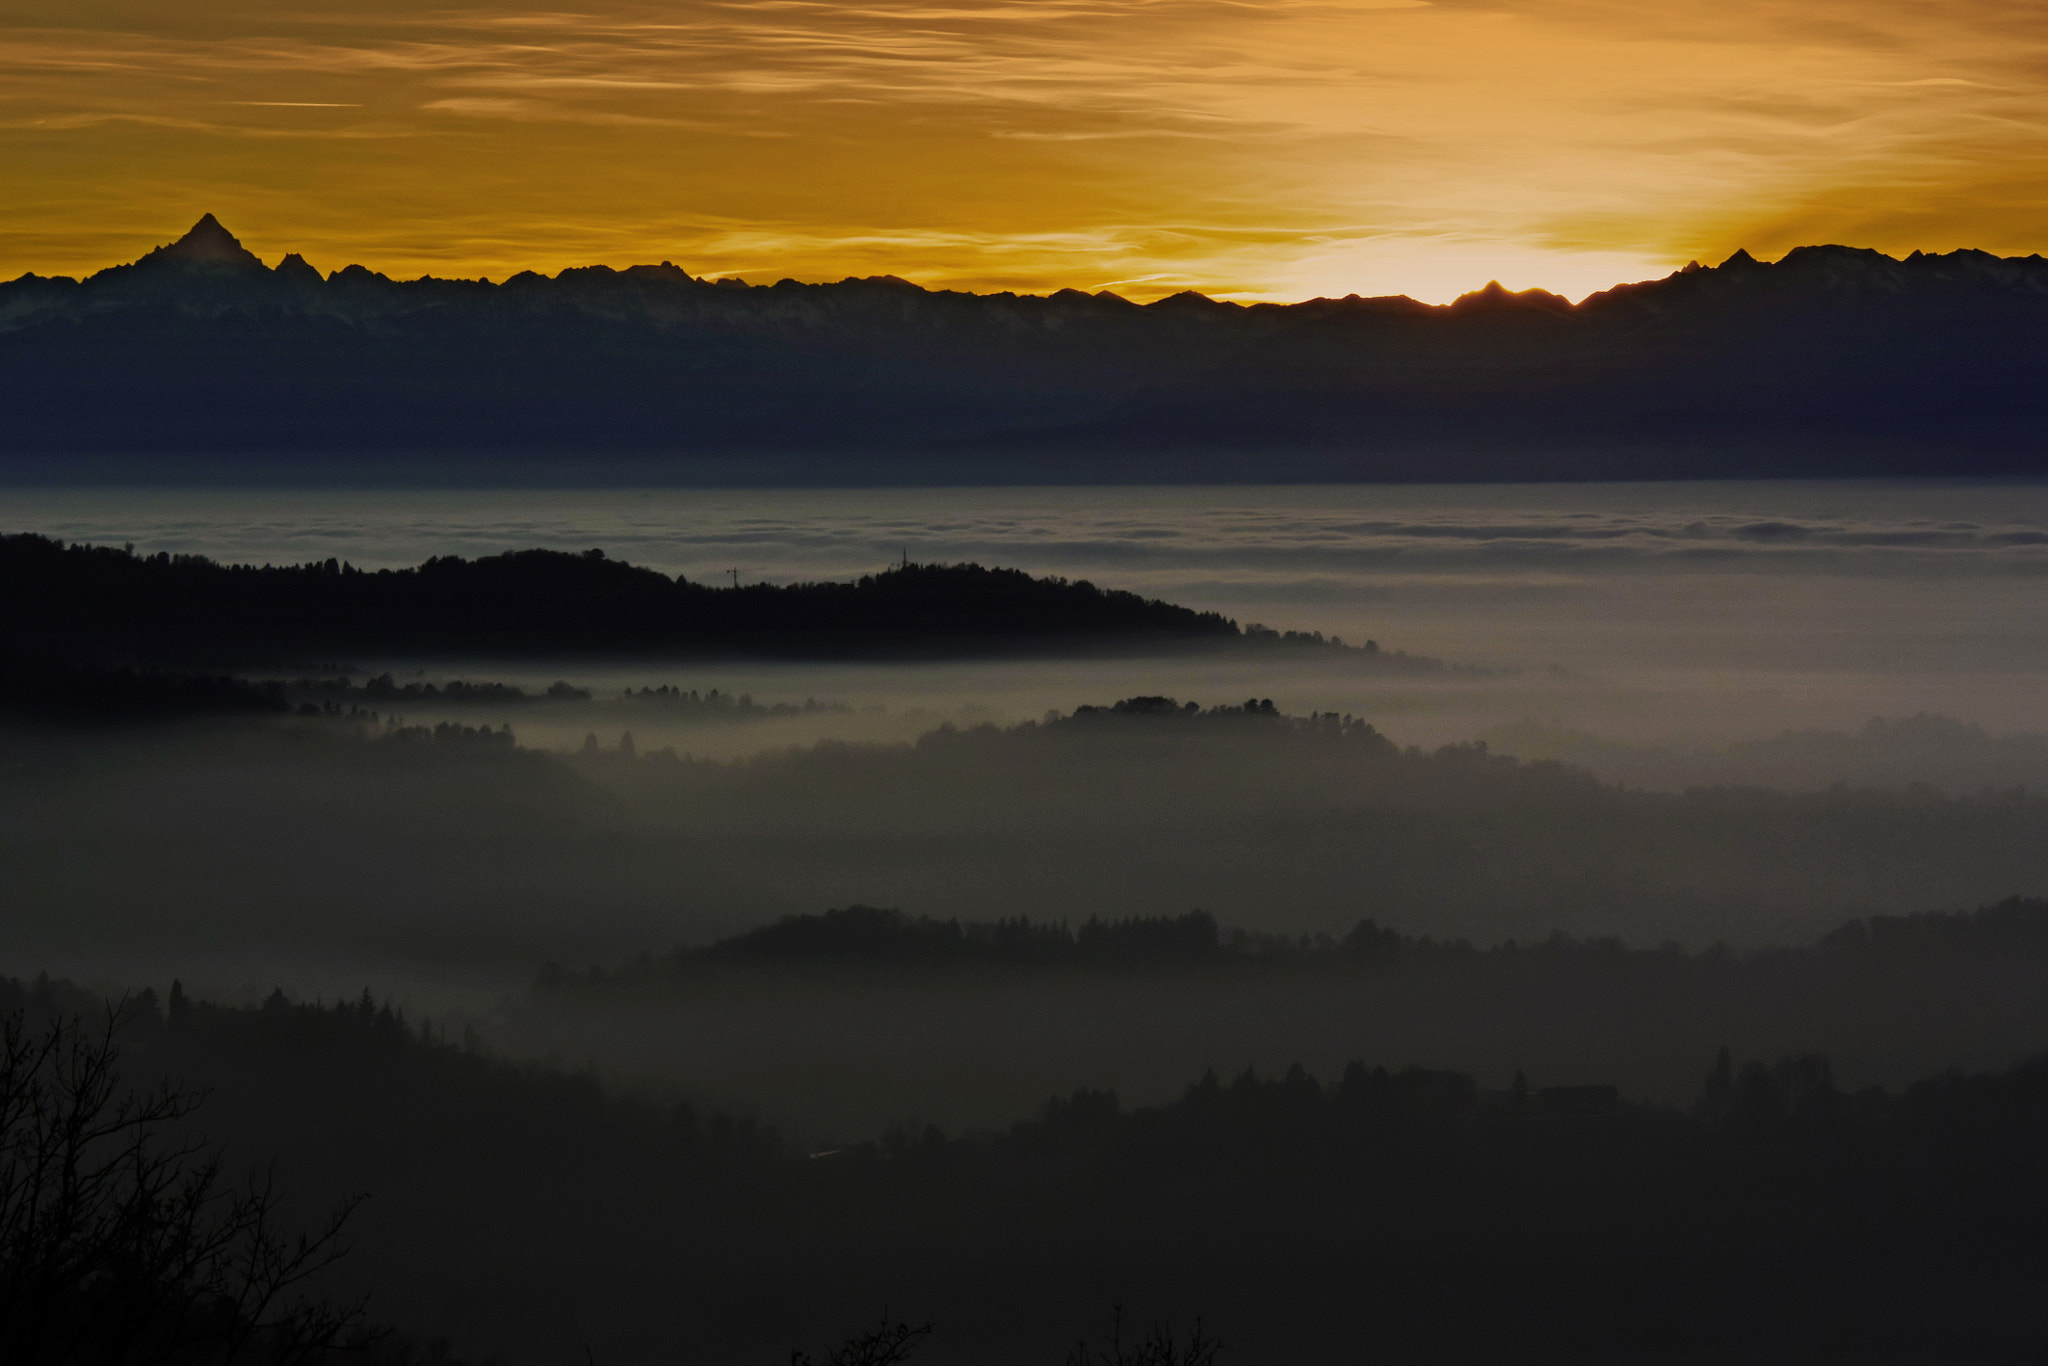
(297, 268)
(207, 244)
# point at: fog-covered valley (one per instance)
(450, 868)
(456, 843)
(1587, 714)
(795, 949)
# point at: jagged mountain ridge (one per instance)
(1833, 360)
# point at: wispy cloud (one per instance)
(1312, 147)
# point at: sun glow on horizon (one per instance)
(1437, 271)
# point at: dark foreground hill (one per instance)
(1389, 1215)
(1831, 361)
(100, 603)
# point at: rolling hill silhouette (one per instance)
(1831, 361)
(100, 603)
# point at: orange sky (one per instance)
(1257, 149)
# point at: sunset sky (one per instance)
(1265, 149)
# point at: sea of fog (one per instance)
(1686, 614)
(1667, 636)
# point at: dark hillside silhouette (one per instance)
(93, 601)
(1832, 361)
(1400, 1211)
(2011, 931)
(868, 934)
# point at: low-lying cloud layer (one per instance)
(1965, 529)
(1747, 608)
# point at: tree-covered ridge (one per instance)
(2014, 930)
(1239, 808)
(1263, 819)
(111, 603)
(873, 934)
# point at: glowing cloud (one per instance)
(1252, 150)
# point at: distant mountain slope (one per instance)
(1831, 361)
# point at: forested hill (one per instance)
(532, 1217)
(94, 602)
(2013, 932)
(1831, 361)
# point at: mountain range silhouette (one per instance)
(1831, 361)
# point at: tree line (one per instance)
(109, 602)
(857, 936)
